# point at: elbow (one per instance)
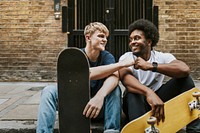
(185, 72)
(123, 73)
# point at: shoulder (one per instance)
(163, 54)
(166, 57)
(83, 49)
(107, 57)
(127, 55)
(106, 53)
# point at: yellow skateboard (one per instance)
(179, 112)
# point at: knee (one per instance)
(117, 92)
(188, 82)
(49, 92)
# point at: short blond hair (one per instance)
(94, 26)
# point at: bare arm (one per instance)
(176, 68)
(106, 70)
(134, 86)
(131, 83)
(110, 72)
(109, 84)
(95, 104)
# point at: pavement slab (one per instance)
(2, 100)
(22, 112)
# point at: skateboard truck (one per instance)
(152, 129)
(195, 104)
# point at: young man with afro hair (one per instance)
(144, 80)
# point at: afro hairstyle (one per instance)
(149, 29)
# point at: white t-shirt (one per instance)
(150, 79)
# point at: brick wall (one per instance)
(31, 38)
(179, 26)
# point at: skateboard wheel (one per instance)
(196, 94)
(151, 120)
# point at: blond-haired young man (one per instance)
(106, 94)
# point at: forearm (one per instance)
(108, 86)
(177, 69)
(93, 107)
(134, 86)
(101, 72)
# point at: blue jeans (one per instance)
(112, 111)
(47, 110)
(49, 103)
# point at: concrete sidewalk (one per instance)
(19, 106)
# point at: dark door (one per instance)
(115, 14)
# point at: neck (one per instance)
(92, 54)
(146, 55)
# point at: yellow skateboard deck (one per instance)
(177, 115)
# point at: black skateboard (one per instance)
(73, 91)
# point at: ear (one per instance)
(87, 37)
(149, 42)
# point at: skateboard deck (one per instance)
(177, 115)
(73, 91)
